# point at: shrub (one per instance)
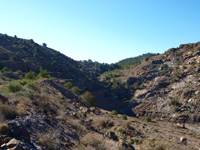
(148, 119)
(174, 102)
(76, 90)
(88, 99)
(5, 130)
(68, 85)
(44, 74)
(49, 140)
(176, 109)
(8, 112)
(124, 117)
(113, 112)
(14, 87)
(30, 75)
(104, 123)
(5, 69)
(23, 82)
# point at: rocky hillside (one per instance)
(165, 87)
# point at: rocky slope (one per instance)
(165, 87)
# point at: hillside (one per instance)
(166, 87)
(135, 60)
(48, 101)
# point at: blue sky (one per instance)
(103, 30)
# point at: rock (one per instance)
(196, 53)
(141, 93)
(125, 146)
(4, 139)
(84, 109)
(183, 140)
(180, 125)
(19, 131)
(12, 143)
(111, 135)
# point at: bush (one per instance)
(5, 130)
(8, 112)
(88, 99)
(113, 112)
(76, 90)
(174, 102)
(148, 119)
(176, 109)
(30, 75)
(68, 85)
(23, 82)
(44, 74)
(5, 69)
(14, 87)
(124, 117)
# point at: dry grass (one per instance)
(97, 141)
(101, 122)
(49, 140)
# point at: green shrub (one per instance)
(148, 119)
(30, 75)
(88, 99)
(68, 85)
(14, 87)
(174, 102)
(76, 90)
(176, 109)
(5, 130)
(124, 117)
(8, 112)
(5, 69)
(23, 82)
(43, 74)
(113, 112)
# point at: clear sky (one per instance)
(103, 30)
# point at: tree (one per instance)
(44, 44)
(88, 99)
